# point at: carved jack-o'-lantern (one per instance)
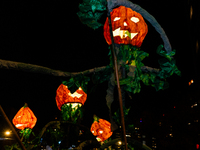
(24, 118)
(128, 27)
(64, 96)
(101, 129)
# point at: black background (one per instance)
(50, 34)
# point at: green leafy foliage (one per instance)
(54, 134)
(26, 133)
(78, 81)
(12, 147)
(100, 77)
(117, 117)
(164, 53)
(129, 126)
(91, 11)
(25, 136)
(132, 61)
(71, 114)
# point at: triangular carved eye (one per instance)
(135, 19)
(116, 18)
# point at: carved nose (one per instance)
(125, 24)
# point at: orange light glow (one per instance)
(192, 81)
(128, 27)
(101, 129)
(7, 133)
(64, 96)
(24, 118)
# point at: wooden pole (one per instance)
(118, 85)
(12, 128)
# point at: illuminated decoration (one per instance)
(24, 118)
(101, 129)
(64, 96)
(70, 104)
(192, 81)
(197, 146)
(128, 27)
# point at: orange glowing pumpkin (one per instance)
(24, 118)
(128, 27)
(101, 129)
(64, 96)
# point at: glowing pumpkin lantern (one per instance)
(101, 129)
(64, 96)
(24, 118)
(128, 27)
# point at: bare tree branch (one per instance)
(12, 65)
(5, 64)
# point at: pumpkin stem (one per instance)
(96, 118)
(25, 105)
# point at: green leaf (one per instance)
(90, 19)
(145, 79)
(91, 11)
(142, 55)
(134, 57)
(124, 81)
(159, 85)
(117, 115)
(137, 88)
(128, 34)
(133, 63)
(162, 52)
(152, 77)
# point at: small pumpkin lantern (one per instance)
(24, 118)
(64, 96)
(128, 27)
(102, 129)
(70, 104)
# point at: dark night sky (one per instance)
(50, 34)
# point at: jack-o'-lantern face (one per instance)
(128, 27)
(64, 96)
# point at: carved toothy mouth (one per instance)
(123, 33)
(75, 94)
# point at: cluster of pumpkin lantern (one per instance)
(25, 118)
(128, 27)
(100, 128)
